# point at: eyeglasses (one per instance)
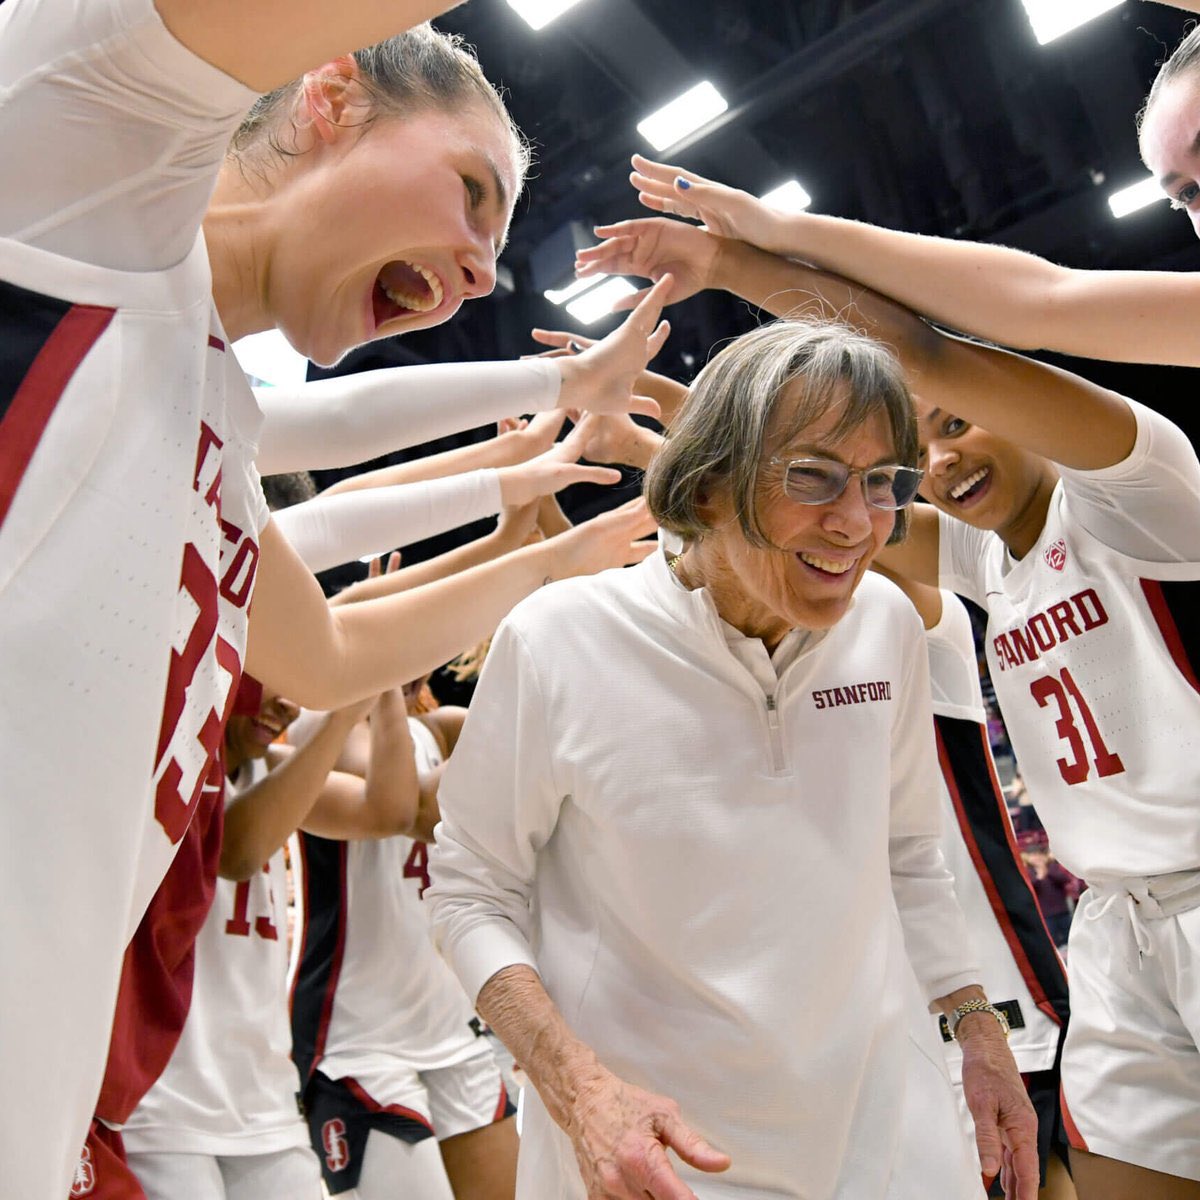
(822, 480)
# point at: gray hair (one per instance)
(1184, 60)
(718, 439)
(415, 71)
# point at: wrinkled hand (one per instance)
(667, 393)
(1005, 1123)
(724, 211)
(621, 1135)
(548, 473)
(609, 540)
(652, 248)
(604, 377)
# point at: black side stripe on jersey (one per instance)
(44, 341)
(979, 803)
(322, 943)
(1174, 606)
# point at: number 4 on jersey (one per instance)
(416, 866)
(1077, 768)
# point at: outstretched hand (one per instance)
(550, 472)
(613, 438)
(621, 1135)
(666, 392)
(653, 248)
(724, 211)
(603, 378)
(609, 540)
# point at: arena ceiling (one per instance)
(939, 116)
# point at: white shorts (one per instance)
(1131, 1067)
(291, 1174)
(447, 1100)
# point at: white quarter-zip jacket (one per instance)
(721, 874)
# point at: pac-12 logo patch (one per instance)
(333, 1138)
(1056, 555)
(84, 1183)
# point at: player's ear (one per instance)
(327, 97)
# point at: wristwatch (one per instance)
(972, 1006)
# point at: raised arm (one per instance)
(264, 816)
(265, 43)
(504, 450)
(324, 658)
(387, 800)
(1046, 410)
(329, 530)
(989, 291)
(512, 531)
(349, 419)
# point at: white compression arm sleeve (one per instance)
(331, 530)
(339, 422)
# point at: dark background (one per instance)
(937, 116)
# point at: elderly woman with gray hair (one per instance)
(688, 863)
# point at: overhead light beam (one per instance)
(597, 302)
(1052, 18)
(683, 116)
(1136, 196)
(575, 288)
(537, 14)
(788, 197)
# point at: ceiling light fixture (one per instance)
(537, 14)
(788, 197)
(685, 114)
(575, 288)
(1138, 195)
(597, 302)
(1052, 18)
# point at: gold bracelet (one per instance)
(971, 1006)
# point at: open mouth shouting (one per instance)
(402, 288)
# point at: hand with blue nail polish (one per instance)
(722, 210)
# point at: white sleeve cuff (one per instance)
(489, 946)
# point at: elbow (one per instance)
(391, 819)
(237, 866)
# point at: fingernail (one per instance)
(680, 182)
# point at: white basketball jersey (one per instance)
(1021, 969)
(389, 999)
(1092, 644)
(129, 520)
(231, 1086)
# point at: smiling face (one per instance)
(819, 552)
(388, 229)
(982, 479)
(1170, 143)
(248, 737)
